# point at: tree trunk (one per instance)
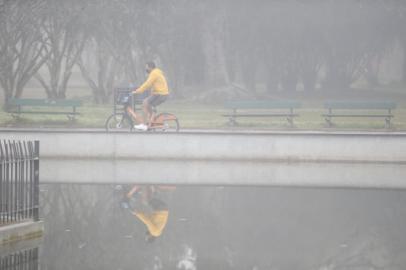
(336, 79)
(372, 72)
(404, 61)
(7, 96)
(217, 72)
(272, 77)
(64, 85)
(46, 88)
(289, 81)
(309, 81)
(249, 73)
(19, 92)
(271, 84)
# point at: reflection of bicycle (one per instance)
(124, 117)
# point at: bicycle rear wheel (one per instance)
(118, 122)
(170, 122)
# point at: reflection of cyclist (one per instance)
(159, 93)
(151, 210)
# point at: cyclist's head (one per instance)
(149, 66)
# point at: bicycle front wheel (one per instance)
(118, 122)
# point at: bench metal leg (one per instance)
(16, 116)
(71, 117)
(328, 118)
(232, 122)
(387, 122)
(329, 122)
(290, 121)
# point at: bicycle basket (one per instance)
(123, 98)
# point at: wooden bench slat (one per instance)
(19, 106)
(360, 105)
(377, 109)
(358, 115)
(261, 115)
(262, 104)
(45, 102)
(44, 112)
(286, 106)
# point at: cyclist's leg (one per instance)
(147, 109)
(134, 189)
(132, 114)
(149, 114)
(155, 102)
(151, 117)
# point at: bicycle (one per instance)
(126, 118)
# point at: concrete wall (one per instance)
(254, 146)
(290, 174)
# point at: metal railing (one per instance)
(19, 181)
(27, 259)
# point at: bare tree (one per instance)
(400, 10)
(126, 37)
(64, 44)
(100, 74)
(107, 57)
(204, 47)
(22, 49)
(353, 43)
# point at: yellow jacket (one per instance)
(156, 81)
(155, 222)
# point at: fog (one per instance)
(210, 50)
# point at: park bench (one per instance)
(261, 108)
(18, 106)
(359, 109)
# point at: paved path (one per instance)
(214, 131)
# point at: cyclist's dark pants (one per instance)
(155, 100)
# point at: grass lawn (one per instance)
(196, 115)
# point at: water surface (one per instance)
(215, 227)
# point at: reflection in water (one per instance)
(146, 203)
(25, 259)
(226, 228)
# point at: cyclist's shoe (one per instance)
(142, 127)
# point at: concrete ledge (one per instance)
(20, 236)
(252, 146)
(329, 131)
(307, 174)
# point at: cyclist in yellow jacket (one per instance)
(159, 93)
(152, 211)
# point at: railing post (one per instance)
(2, 180)
(36, 181)
(19, 181)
